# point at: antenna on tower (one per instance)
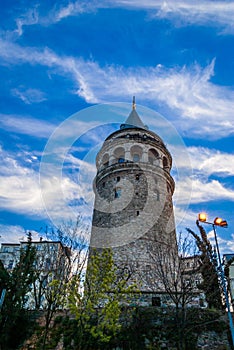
(133, 103)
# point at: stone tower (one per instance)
(133, 212)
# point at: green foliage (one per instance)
(13, 313)
(153, 328)
(208, 269)
(98, 310)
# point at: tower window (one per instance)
(103, 184)
(152, 155)
(136, 153)
(119, 154)
(117, 192)
(118, 178)
(137, 213)
(137, 177)
(121, 159)
(136, 157)
(157, 195)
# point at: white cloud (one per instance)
(193, 99)
(215, 13)
(204, 161)
(210, 161)
(21, 191)
(26, 125)
(199, 185)
(11, 234)
(71, 9)
(28, 18)
(202, 191)
(15, 234)
(29, 96)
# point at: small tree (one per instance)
(208, 269)
(175, 272)
(98, 309)
(56, 268)
(13, 313)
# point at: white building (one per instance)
(52, 262)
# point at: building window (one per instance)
(48, 262)
(117, 192)
(137, 177)
(6, 250)
(137, 213)
(118, 178)
(103, 184)
(10, 264)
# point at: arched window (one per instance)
(119, 154)
(136, 157)
(136, 153)
(152, 155)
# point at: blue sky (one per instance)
(59, 58)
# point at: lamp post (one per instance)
(222, 223)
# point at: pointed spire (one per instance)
(133, 103)
(133, 120)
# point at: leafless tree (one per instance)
(175, 274)
(56, 264)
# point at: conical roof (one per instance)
(133, 120)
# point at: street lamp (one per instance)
(222, 223)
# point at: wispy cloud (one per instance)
(203, 191)
(21, 190)
(211, 13)
(200, 186)
(26, 125)
(211, 162)
(28, 96)
(215, 13)
(187, 91)
(28, 18)
(15, 234)
(205, 161)
(11, 234)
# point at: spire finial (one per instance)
(133, 103)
